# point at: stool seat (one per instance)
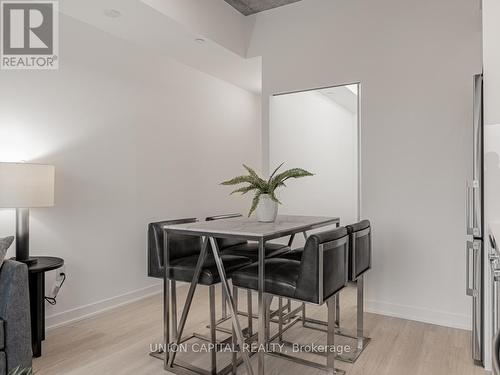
(295, 254)
(251, 250)
(280, 277)
(182, 269)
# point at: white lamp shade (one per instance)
(25, 185)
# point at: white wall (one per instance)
(309, 130)
(415, 61)
(134, 139)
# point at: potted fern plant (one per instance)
(265, 202)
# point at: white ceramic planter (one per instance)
(267, 210)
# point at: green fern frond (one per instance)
(258, 181)
(272, 174)
(290, 173)
(238, 180)
(255, 202)
(244, 189)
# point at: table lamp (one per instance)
(24, 186)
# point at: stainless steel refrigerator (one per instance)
(475, 228)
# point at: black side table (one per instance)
(37, 298)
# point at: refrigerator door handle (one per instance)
(471, 248)
(477, 345)
(495, 300)
(468, 207)
(476, 208)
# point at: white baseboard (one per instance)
(382, 308)
(419, 314)
(87, 311)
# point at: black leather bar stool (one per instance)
(184, 252)
(360, 260)
(234, 246)
(317, 278)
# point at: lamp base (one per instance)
(23, 236)
(29, 262)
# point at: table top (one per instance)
(250, 228)
(45, 264)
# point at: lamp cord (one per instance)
(52, 300)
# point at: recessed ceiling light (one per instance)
(199, 40)
(112, 13)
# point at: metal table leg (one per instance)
(232, 306)
(262, 309)
(189, 298)
(166, 303)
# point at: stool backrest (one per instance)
(179, 245)
(323, 268)
(224, 243)
(360, 248)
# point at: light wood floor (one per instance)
(118, 342)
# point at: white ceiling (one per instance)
(165, 36)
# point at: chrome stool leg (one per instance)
(173, 293)
(268, 299)
(304, 318)
(234, 357)
(235, 295)
(224, 304)
(213, 338)
(330, 359)
(331, 356)
(360, 314)
(337, 310)
(250, 313)
(361, 340)
(280, 320)
(289, 310)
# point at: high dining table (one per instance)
(240, 228)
